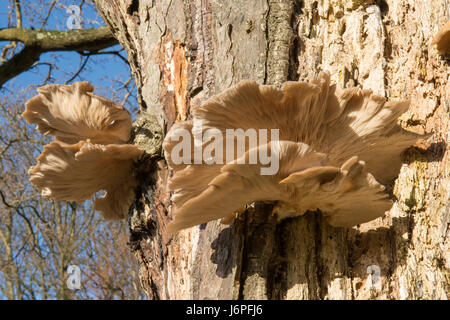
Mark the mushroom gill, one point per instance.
(441, 39)
(335, 150)
(73, 113)
(89, 152)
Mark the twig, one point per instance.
(79, 70)
(13, 44)
(18, 13)
(49, 72)
(5, 50)
(127, 96)
(52, 5)
(8, 145)
(117, 53)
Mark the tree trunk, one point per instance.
(183, 52)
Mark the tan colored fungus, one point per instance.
(88, 154)
(442, 39)
(336, 148)
(73, 113)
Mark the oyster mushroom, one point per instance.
(336, 149)
(89, 153)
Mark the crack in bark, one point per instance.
(267, 43)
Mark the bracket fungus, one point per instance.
(441, 39)
(90, 151)
(336, 149)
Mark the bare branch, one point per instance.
(52, 5)
(8, 145)
(21, 62)
(79, 70)
(116, 53)
(84, 39)
(50, 68)
(13, 44)
(127, 96)
(5, 50)
(39, 41)
(18, 13)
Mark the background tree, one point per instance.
(182, 52)
(40, 238)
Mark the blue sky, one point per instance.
(106, 72)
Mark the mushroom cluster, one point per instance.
(336, 149)
(89, 152)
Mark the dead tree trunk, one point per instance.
(182, 52)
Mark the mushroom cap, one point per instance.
(442, 39)
(76, 172)
(72, 113)
(348, 195)
(341, 123)
(356, 130)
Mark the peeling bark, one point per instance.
(182, 52)
(173, 68)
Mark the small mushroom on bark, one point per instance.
(89, 153)
(442, 39)
(335, 150)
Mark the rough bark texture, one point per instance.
(182, 52)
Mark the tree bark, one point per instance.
(183, 52)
